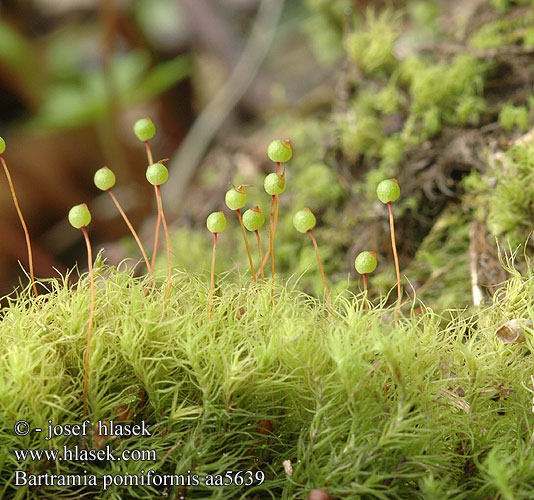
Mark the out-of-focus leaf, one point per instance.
(68, 105)
(15, 51)
(161, 78)
(17, 54)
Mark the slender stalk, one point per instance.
(22, 221)
(91, 314)
(132, 230)
(212, 281)
(246, 244)
(327, 293)
(158, 221)
(271, 238)
(395, 257)
(268, 253)
(149, 153)
(365, 290)
(156, 237)
(168, 241)
(260, 258)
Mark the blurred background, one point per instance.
(365, 90)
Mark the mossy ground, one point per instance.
(431, 407)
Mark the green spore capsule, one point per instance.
(79, 216)
(253, 219)
(274, 184)
(2, 145)
(280, 151)
(104, 178)
(144, 129)
(388, 191)
(235, 198)
(216, 222)
(365, 262)
(157, 174)
(304, 220)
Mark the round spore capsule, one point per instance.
(304, 220)
(2, 145)
(253, 219)
(79, 216)
(144, 129)
(216, 222)
(157, 174)
(104, 178)
(274, 184)
(365, 262)
(279, 151)
(388, 191)
(235, 198)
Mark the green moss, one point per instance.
(371, 47)
(360, 134)
(506, 195)
(511, 117)
(320, 384)
(503, 32)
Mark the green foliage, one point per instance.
(360, 406)
(504, 32)
(506, 194)
(447, 87)
(371, 47)
(74, 102)
(324, 27)
(360, 134)
(511, 117)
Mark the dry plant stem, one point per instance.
(326, 292)
(168, 241)
(132, 230)
(22, 221)
(395, 257)
(91, 314)
(212, 281)
(365, 291)
(260, 257)
(246, 244)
